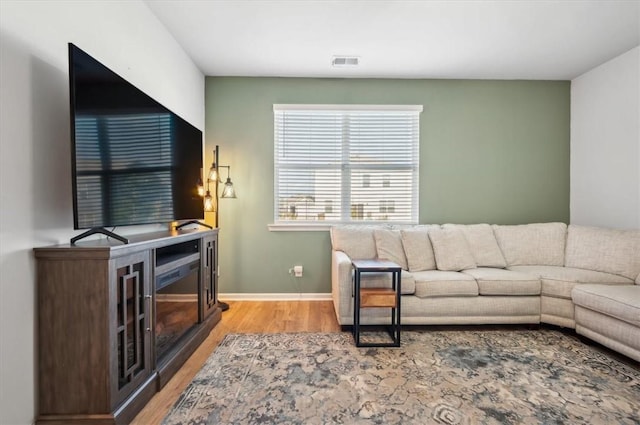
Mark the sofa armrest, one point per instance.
(341, 283)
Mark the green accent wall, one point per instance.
(490, 152)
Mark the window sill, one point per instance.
(299, 227)
(292, 226)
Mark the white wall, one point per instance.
(35, 164)
(605, 144)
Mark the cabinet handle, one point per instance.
(148, 312)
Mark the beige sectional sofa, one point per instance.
(579, 277)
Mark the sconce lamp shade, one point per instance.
(209, 204)
(229, 191)
(200, 187)
(213, 173)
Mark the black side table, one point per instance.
(377, 297)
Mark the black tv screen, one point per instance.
(133, 160)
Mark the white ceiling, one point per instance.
(545, 39)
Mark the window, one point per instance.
(346, 163)
(387, 206)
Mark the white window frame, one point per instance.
(318, 225)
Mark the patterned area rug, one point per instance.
(436, 377)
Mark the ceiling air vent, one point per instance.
(345, 61)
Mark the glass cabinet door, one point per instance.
(133, 322)
(209, 261)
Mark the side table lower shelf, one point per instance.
(377, 298)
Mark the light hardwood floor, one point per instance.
(242, 317)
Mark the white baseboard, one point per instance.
(275, 297)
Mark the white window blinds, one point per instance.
(346, 163)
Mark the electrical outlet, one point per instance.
(296, 271)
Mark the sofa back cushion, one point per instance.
(389, 246)
(451, 249)
(355, 241)
(532, 244)
(418, 249)
(483, 244)
(604, 250)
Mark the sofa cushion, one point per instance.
(355, 241)
(389, 246)
(621, 302)
(559, 281)
(451, 249)
(605, 250)
(407, 283)
(418, 249)
(438, 283)
(383, 280)
(483, 244)
(532, 244)
(492, 281)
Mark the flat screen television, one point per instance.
(134, 161)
